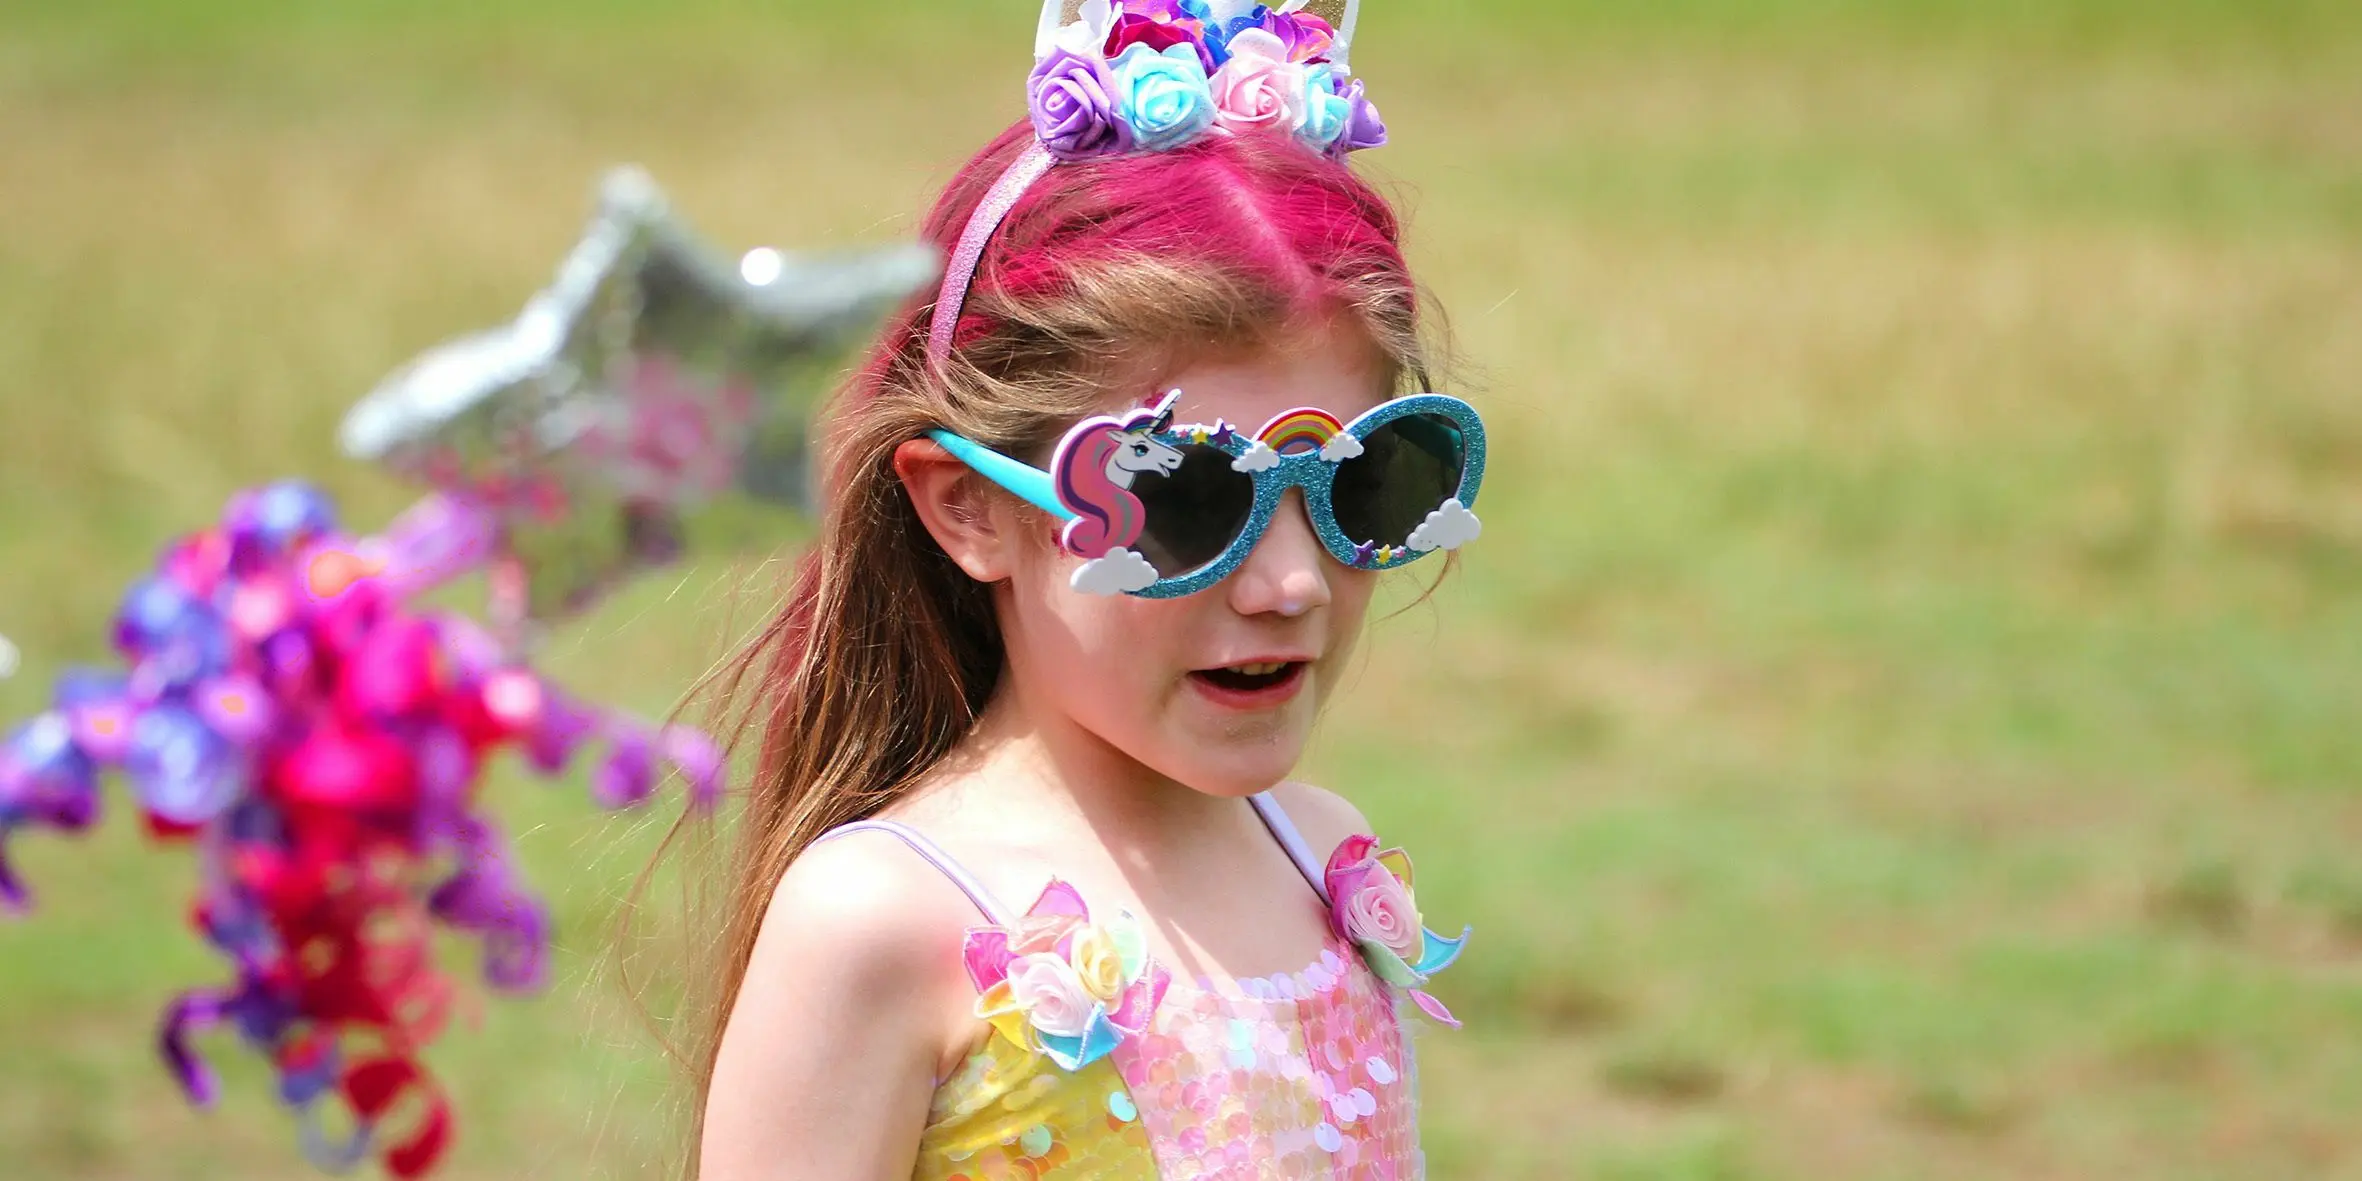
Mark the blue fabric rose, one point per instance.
(1327, 114)
(1164, 96)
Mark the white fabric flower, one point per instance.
(1051, 996)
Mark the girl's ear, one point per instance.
(958, 508)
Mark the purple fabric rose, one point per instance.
(1365, 129)
(1072, 100)
(1308, 37)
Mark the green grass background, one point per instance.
(1905, 719)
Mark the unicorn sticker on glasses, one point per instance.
(1095, 466)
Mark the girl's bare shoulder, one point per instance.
(873, 905)
(849, 1007)
(1324, 817)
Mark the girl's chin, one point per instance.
(1233, 765)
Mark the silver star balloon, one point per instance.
(650, 380)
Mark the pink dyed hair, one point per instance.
(883, 652)
(1291, 235)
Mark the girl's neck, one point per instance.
(1046, 767)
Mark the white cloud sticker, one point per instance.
(1258, 458)
(1341, 448)
(1449, 527)
(1120, 572)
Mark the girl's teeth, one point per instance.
(1256, 670)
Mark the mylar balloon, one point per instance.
(652, 379)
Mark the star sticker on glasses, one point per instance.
(650, 378)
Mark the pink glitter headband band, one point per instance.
(960, 271)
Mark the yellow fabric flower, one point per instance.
(1100, 963)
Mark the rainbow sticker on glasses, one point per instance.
(1303, 429)
(1094, 469)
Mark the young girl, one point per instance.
(1023, 890)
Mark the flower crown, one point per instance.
(1153, 75)
(1116, 77)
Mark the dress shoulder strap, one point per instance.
(1284, 831)
(943, 862)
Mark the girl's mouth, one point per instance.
(1251, 686)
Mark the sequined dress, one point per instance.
(1306, 1074)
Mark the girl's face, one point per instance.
(1217, 690)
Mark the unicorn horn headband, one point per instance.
(1124, 77)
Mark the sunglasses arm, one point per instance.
(1029, 483)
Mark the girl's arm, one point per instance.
(851, 1005)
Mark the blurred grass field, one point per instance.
(1905, 720)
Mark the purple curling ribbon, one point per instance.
(286, 710)
(189, 1014)
(45, 779)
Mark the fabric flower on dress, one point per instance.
(1061, 985)
(1371, 906)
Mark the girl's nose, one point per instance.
(1288, 572)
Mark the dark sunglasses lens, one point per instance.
(1195, 513)
(1406, 470)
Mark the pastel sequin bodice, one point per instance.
(1306, 1074)
(1310, 1076)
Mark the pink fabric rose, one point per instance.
(1259, 87)
(1052, 997)
(1382, 912)
(1370, 905)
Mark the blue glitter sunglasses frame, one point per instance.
(1309, 469)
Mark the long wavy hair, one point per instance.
(883, 652)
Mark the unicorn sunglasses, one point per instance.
(1161, 511)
